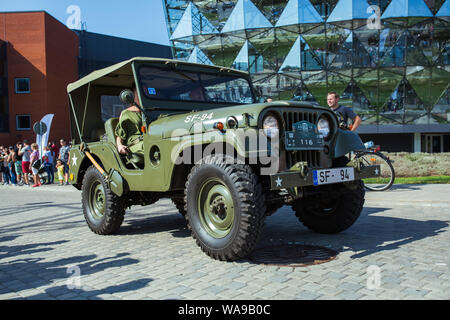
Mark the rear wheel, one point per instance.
(103, 210)
(334, 214)
(225, 208)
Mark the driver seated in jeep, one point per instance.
(128, 131)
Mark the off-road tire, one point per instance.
(180, 205)
(112, 207)
(335, 216)
(248, 209)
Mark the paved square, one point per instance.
(398, 249)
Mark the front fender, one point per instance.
(79, 162)
(346, 141)
(76, 160)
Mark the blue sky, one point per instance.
(134, 19)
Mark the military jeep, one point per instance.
(226, 159)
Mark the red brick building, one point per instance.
(38, 58)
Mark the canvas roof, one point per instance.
(111, 75)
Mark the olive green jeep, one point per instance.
(225, 159)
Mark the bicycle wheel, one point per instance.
(387, 173)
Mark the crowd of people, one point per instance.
(22, 165)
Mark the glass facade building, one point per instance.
(387, 59)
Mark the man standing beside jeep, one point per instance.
(333, 103)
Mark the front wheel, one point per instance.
(386, 174)
(335, 212)
(103, 210)
(225, 208)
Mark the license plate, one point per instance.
(295, 141)
(335, 175)
(304, 136)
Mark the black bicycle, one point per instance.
(373, 156)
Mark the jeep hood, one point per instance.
(176, 125)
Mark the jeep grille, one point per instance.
(312, 157)
(291, 117)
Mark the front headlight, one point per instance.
(323, 126)
(270, 126)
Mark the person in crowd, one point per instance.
(25, 152)
(64, 156)
(60, 171)
(18, 164)
(4, 166)
(11, 165)
(34, 158)
(47, 159)
(347, 113)
(55, 149)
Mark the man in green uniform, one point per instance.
(128, 130)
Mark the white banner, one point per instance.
(42, 140)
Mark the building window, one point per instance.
(22, 85)
(23, 122)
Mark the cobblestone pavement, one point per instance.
(398, 249)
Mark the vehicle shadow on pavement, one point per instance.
(373, 234)
(38, 272)
(370, 234)
(373, 210)
(174, 223)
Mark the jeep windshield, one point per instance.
(194, 86)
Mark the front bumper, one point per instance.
(291, 179)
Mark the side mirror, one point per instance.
(127, 96)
